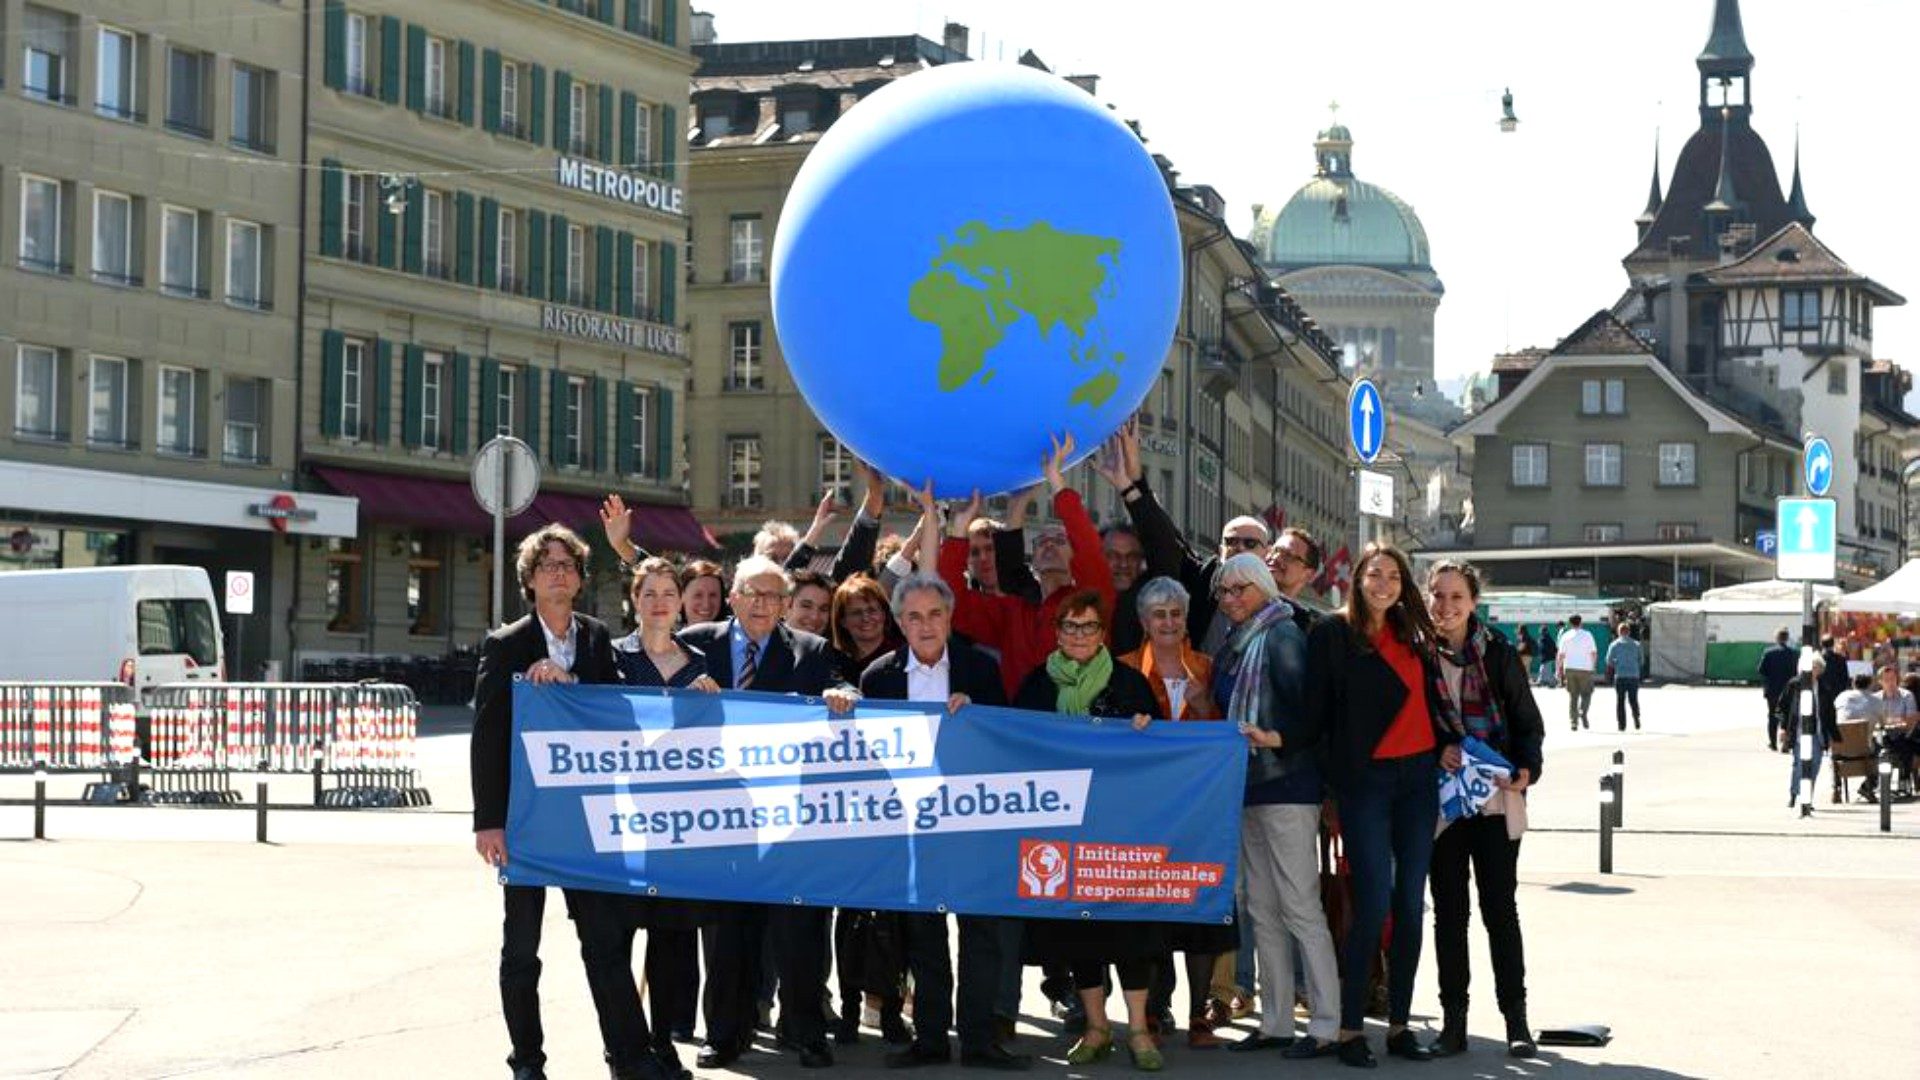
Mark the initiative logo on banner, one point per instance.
(1043, 869)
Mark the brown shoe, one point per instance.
(1218, 1014)
(1200, 1035)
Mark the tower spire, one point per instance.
(1797, 201)
(1725, 60)
(1653, 193)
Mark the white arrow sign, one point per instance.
(1807, 520)
(1366, 424)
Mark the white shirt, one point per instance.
(929, 682)
(1578, 650)
(559, 649)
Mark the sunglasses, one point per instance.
(1241, 543)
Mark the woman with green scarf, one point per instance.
(1082, 678)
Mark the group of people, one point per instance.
(1348, 717)
(1566, 654)
(1806, 706)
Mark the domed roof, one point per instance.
(1339, 220)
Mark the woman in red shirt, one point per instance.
(1370, 678)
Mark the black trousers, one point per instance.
(732, 947)
(605, 924)
(930, 962)
(673, 980)
(862, 965)
(1773, 720)
(983, 964)
(526, 907)
(1134, 974)
(802, 939)
(1478, 845)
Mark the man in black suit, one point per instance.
(553, 645)
(754, 650)
(1777, 667)
(933, 667)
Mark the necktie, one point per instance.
(748, 667)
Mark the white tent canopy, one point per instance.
(1898, 594)
(1770, 589)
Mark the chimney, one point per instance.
(769, 113)
(1085, 82)
(702, 28)
(956, 38)
(1678, 332)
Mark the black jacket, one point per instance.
(507, 652)
(1354, 694)
(1792, 715)
(969, 671)
(795, 662)
(1169, 556)
(1834, 681)
(855, 554)
(1508, 682)
(1777, 667)
(1127, 694)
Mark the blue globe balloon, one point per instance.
(975, 258)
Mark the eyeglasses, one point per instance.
(1282, 555)
(1242, 543)
(555, 566)
(754, 596)
(1079, 628)
(861, 614)
(1234, 590)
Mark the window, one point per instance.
(1528, 535)
(344, 585)
(246, 408)
(359, 42)
(748, 251)
(107, 402)
(1530, 465)
(506, 251)
(178, 627)
(642, 137)
(1599, 396)
(357, 216)
(577, 265)
(642, 290)
(253, 97)
(575, 417)
(836, 470)
(436, 78)
(117, 78)
(180, 270)
(743, 368)
(640, 445)
(1602, 534)
(177, 394)
(1166, 398)
(1603, 465)
(433, 234)
(42, 225)
(433, 368)
(510, 99)
(189, 83)
(577, 95)
(114, 261)
(743, 472)
(353, 368)
(246, 266)
(716, 122)
(36, 409)
(1837, 375)
(49, 37)
(425, 588)
(1800, 309)
(795, 119)
(1675, 530)
(1677, 465)
(505, 400)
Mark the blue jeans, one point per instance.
(1808, 768)
(1626, 692)
(1387, 815)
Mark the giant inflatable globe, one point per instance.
(974, 258)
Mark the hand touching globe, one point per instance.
(975, 259)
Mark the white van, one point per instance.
(144, 626)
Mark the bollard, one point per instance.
(260, 813)
(1619, 789)
(1885, 766)
(39, 800)
(1607, 803)
(319, 777)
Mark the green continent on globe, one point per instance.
(985, 280)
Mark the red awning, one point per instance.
(426, 503)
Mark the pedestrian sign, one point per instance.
(1816, 465)
(1807, 540)
(1366, 420)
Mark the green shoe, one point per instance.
(1147, 1060)
(1086, 1051)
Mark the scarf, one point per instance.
(1079, 683)
(1246, 652)
(1477, 713)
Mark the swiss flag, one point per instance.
(1336, 573)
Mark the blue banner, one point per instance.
(898, 806)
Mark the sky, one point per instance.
(1527, 229)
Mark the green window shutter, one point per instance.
(562, 109)
(623, 429)
(636, 15)
(537, 105)
(603, 268)
(463, 238)
(333, 362)
(605, 146)
(489, 398)
(671, 136)
(557, 421)
(389, 59)
(490, 244)
(530, 390)
(416, 67)
(629, 111)
(597, 459)
(412, 226)
(669, 284)
(670, 22)
(382, 391)
(558, 230)
(463, 100)
(537, 254)
(606, 12)
(386, 235)
(623, 280)
(461, 364)
(489, 91)
(663, 465)
(336, 61)
(332, 194)
(413, 365)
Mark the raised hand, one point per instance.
(957, 523)
(617, 522)
(1054, 464)
(823, 515)
(875, 493)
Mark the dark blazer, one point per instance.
(1507, 681)
(1834, 681)
(1778, 665)
(507, 652)
(969, 671)
(1353, 694)
(855, 554)
(795, 662)
(1127, 694)
(1792, 716)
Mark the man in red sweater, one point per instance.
(1066, 558)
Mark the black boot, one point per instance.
(1519, 1036)
(1453, 1035)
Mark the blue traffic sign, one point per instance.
(1366, 419)
(1816, 466)
(1766, 541)
(1808, 541)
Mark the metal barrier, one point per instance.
(66, 725)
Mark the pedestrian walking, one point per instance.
(1549, 653)
(1577, 656)
(1624, 662)
(1776, 670)
(1809, 727)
